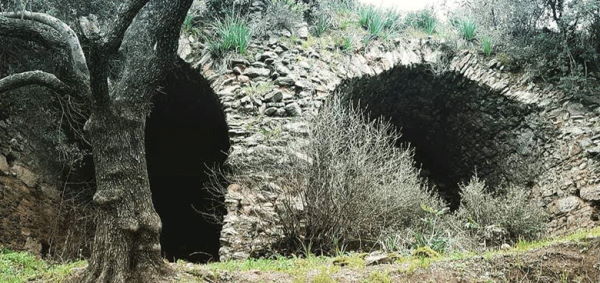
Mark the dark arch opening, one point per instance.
(456, 127)
(186, 134)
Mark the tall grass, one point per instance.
(378, 22)
(231, 34)
(424, 20)
(487, 46)
(467, 29)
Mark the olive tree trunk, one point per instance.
(136, 49)
(126, 244)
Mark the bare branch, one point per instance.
(125, 15)
(40, 78)
(80, 69)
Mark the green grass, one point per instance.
(423, 20)
(378, 22)
(24, 267)
(487, 46)
(232, 34)
(467, 29)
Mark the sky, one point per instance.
(409, 5)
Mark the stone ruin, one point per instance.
(461, 113)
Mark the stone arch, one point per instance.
(186, 137)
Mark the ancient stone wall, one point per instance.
(478, 117)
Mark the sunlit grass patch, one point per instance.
(24, 267)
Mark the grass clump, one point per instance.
(378, 22)
(467, 28)
(487, 46)
(424, 20)
(24, 267)
(232, 34)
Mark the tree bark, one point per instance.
(126, 244)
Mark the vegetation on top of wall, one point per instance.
(424, 20)
(230, 34)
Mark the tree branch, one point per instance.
(33, 78)
(110, 41)
(80, 74)
(28, 30)
(125, 15)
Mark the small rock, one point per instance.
(270, 111)
(590, 193)
(293, 109)
(239, 62)
(302, 31)
(254, 72)
(26, 176)
(3, 164)
(567, 204)
(243, 79)
(275, 96)
(237, 70)
(285, 81)
(266, 55)
(378, 258)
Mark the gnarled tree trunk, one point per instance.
(126, 244)
(142, 40)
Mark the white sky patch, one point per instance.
(413, 5)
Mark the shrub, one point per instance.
(499, 217)
(230, 34)
(281, 14)
(424, 20)
(467, 28)
(353, 183)
(323, 22)
(487, 46)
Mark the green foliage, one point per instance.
(232, 34)
(323, 22)
(487, 46)
(424, 20)
(378, 22)
(345, 44)
(467, 29)
(24, 267)
(379, 277)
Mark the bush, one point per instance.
(281, 14)
(230, 34)
(424, 20)
(501, 217)
(466, 29)
(323, 22)
(353, 183)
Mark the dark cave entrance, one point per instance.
(186, 134)
(456, 127)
